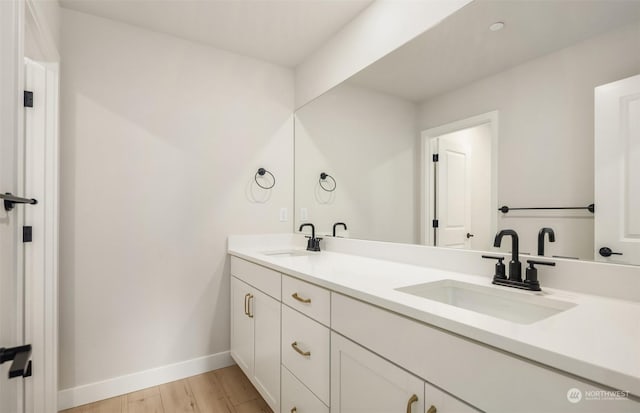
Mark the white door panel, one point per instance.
(617, 170)
(453, 194)
(11, 180)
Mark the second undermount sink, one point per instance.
(515, 306)
(288, 253)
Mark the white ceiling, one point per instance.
(279, 31)
(461, 49)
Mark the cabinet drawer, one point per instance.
(302, 335)
(264, 279)
(307, 298)
(297, 398)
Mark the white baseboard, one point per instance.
(116, 386)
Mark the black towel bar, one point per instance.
(504, 209)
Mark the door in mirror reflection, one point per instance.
(458, 180)
(617, 171)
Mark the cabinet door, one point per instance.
(439, 401)
(266, 370)
(364, 382)
(241, 326)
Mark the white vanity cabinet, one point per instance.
(312, 348)
(255, 328)
(363, 382)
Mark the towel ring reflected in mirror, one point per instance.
(323, 181)
(262, 172)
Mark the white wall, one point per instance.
(546, 132)
(48, 12)
(160, 142)
(367, 141)
(378, 30)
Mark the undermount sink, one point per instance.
(516, 306)
(287, 253)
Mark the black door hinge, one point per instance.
(435, 157)
(21, 365)
(434, 223)
(27, 233)
(28, 99)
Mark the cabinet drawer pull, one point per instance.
(249, 313)
(294, 410)
(412, 400)
(302, 300)
(432, 409)
(246, 305)
(302, 353)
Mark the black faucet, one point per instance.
(531, 282)
(336, 224)
(515, 268)
(552, 238)
(313, 244)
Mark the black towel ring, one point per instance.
(262, 172)
(323, 178)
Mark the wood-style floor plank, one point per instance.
(221, 391)
(177, 397)
(236, 385)
(209, 393)
(253, 406)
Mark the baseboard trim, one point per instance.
(117, 386)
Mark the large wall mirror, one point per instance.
(493, 107)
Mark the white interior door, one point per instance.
(11, 281)
(617, 171)
(453, 209)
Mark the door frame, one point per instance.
(428, 149)
(41, 311)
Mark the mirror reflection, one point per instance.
(493, 107)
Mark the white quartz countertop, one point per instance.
(598, 339)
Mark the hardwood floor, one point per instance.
(221, 391)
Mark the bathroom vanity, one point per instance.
(339, 331)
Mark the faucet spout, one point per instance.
(552, 238)
(313, 229)
(338, 224)
(515, 268)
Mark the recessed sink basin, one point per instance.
(287, 253)
(516, 306)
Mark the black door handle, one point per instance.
(21, 365)
(469, 235)
(606, 252)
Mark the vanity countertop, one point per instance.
(597, 339)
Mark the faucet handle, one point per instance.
(531, 274)
(536, 262)
(501, 272)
